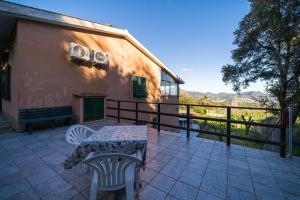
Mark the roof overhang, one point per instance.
(25, 12)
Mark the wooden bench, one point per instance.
(29, 116)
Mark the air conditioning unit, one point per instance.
(100, 58)
(79, 52)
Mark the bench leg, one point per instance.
(52, 124)
(29, 128)
(70, 121)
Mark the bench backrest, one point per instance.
(34, 113)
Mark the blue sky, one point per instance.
(193, 38)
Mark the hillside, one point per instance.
(249, 97)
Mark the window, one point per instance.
(173, 89)
(139, 86)
(164, 88)
(5, 83)
(168, 86)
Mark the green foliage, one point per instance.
(257, 115)
(237, 114)
(200, 110)
(268, 49)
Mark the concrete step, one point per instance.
(3, 120)
(4, 125)
(6, 130)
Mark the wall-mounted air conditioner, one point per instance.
(79, 52)
(100, 58)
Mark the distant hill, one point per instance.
(250, 96)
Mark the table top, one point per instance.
(120, 133)
(112, 139)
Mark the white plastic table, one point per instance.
(130, 140)
(119, 134)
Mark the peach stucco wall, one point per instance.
(44, 76)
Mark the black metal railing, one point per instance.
(281, 126)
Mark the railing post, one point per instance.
(228, 125)
(187, 121)
(136, 113)
(290, 140)
(158, 117)
(118, 111)
(283, 133)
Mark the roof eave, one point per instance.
(25, 12)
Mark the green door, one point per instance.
(93, 108)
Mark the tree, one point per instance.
(268, 49)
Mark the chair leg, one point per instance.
(130, 190)
(137, 181)
(94, 188)
(93, 192)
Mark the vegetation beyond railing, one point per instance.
(281, 126)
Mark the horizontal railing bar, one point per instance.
(255, 140)
(127, 118)
(255, 124)
(131, 110)
(126, 109)
(236, 121)
(203, 118)
(170, 114)
(112, 116)
(199, 105)
(112, 108)
(122, 109)
(127, 101)
(173, 126)
(145, 121)
(167, 125)
(205, 132)
(235, 136)
(207, 118)
(208, 132)
(148, 112)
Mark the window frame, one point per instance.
(168, 82)
(5, 84)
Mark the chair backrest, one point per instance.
(111, 169)
(77, 133)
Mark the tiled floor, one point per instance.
(177, 168)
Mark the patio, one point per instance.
(177, 168)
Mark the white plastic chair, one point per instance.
(113, 172)
(77, 133)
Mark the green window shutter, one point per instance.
(139, 86)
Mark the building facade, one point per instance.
(38, 71)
